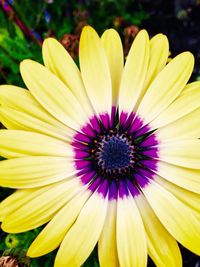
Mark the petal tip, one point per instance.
(143, 34)
(31, 252)
(111, 34)
(160, 37)
(183, 60)
(188, 56)
(5, 227)
(23, 65)
(87, 29)
(26, 62)
(50, 41)
(110, 31)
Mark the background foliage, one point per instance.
(24, 25)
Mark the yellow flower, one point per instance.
(107, 154)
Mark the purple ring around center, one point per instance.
(128, 182)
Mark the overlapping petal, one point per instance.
(191, 199)
(14, 119)
(15, 143)
(183, 177)
(107, 246)
(41, 208)
(54, 232)
(19, 110)
(114, 52)
(52, 94)
(166, 86)
(187, 127)
(95, 71)
(130, 234)
(58, 60)
(133, 76)
(176, 217)
(183, 105)
(183, 153)
(159, 51)
(162, 247)
(74, 251)
(19, 198)
(33, 171)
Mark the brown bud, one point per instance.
(129, 35)
(70, 42)
(8, 261)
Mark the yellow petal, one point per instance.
(182, 106)
(166, 86)
(114, 51)
(107, 246)
(162, 247)
(15, 143)
(54, 232)
(52, 94)
(187, 127)
(27, 172)
(83, 235)
(183, 153)
(17, 120)
(189, 198)
(184, 177)
(19, 198)
(177, 218)
(95, 70)
(22, 100)
(133, 77)
(41, 209)
(58, 60)
(131, 239)
(190, 87)
(159, 50)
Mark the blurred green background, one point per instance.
(25, 24)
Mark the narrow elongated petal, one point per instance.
(57, 59)
(19, 198)
(184, 177)
(162, 247)
(189, 198)
(53, 234)
(182, 106)
(13, 119)
(40, 209)
(114, 51)
(187, 127)
(133, 77)
(107, 246)
(159, 51)
(83, 235)
(27, 172)
(166, 87)
(21, 100)
(95, 70)
(190, 87)
(177, 218)
(15, 143)
(183, 153)
(52, 94)
(131, 240)
(19, 120)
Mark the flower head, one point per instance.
(108, 153)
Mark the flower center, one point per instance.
(116, 150)
(114, 154)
